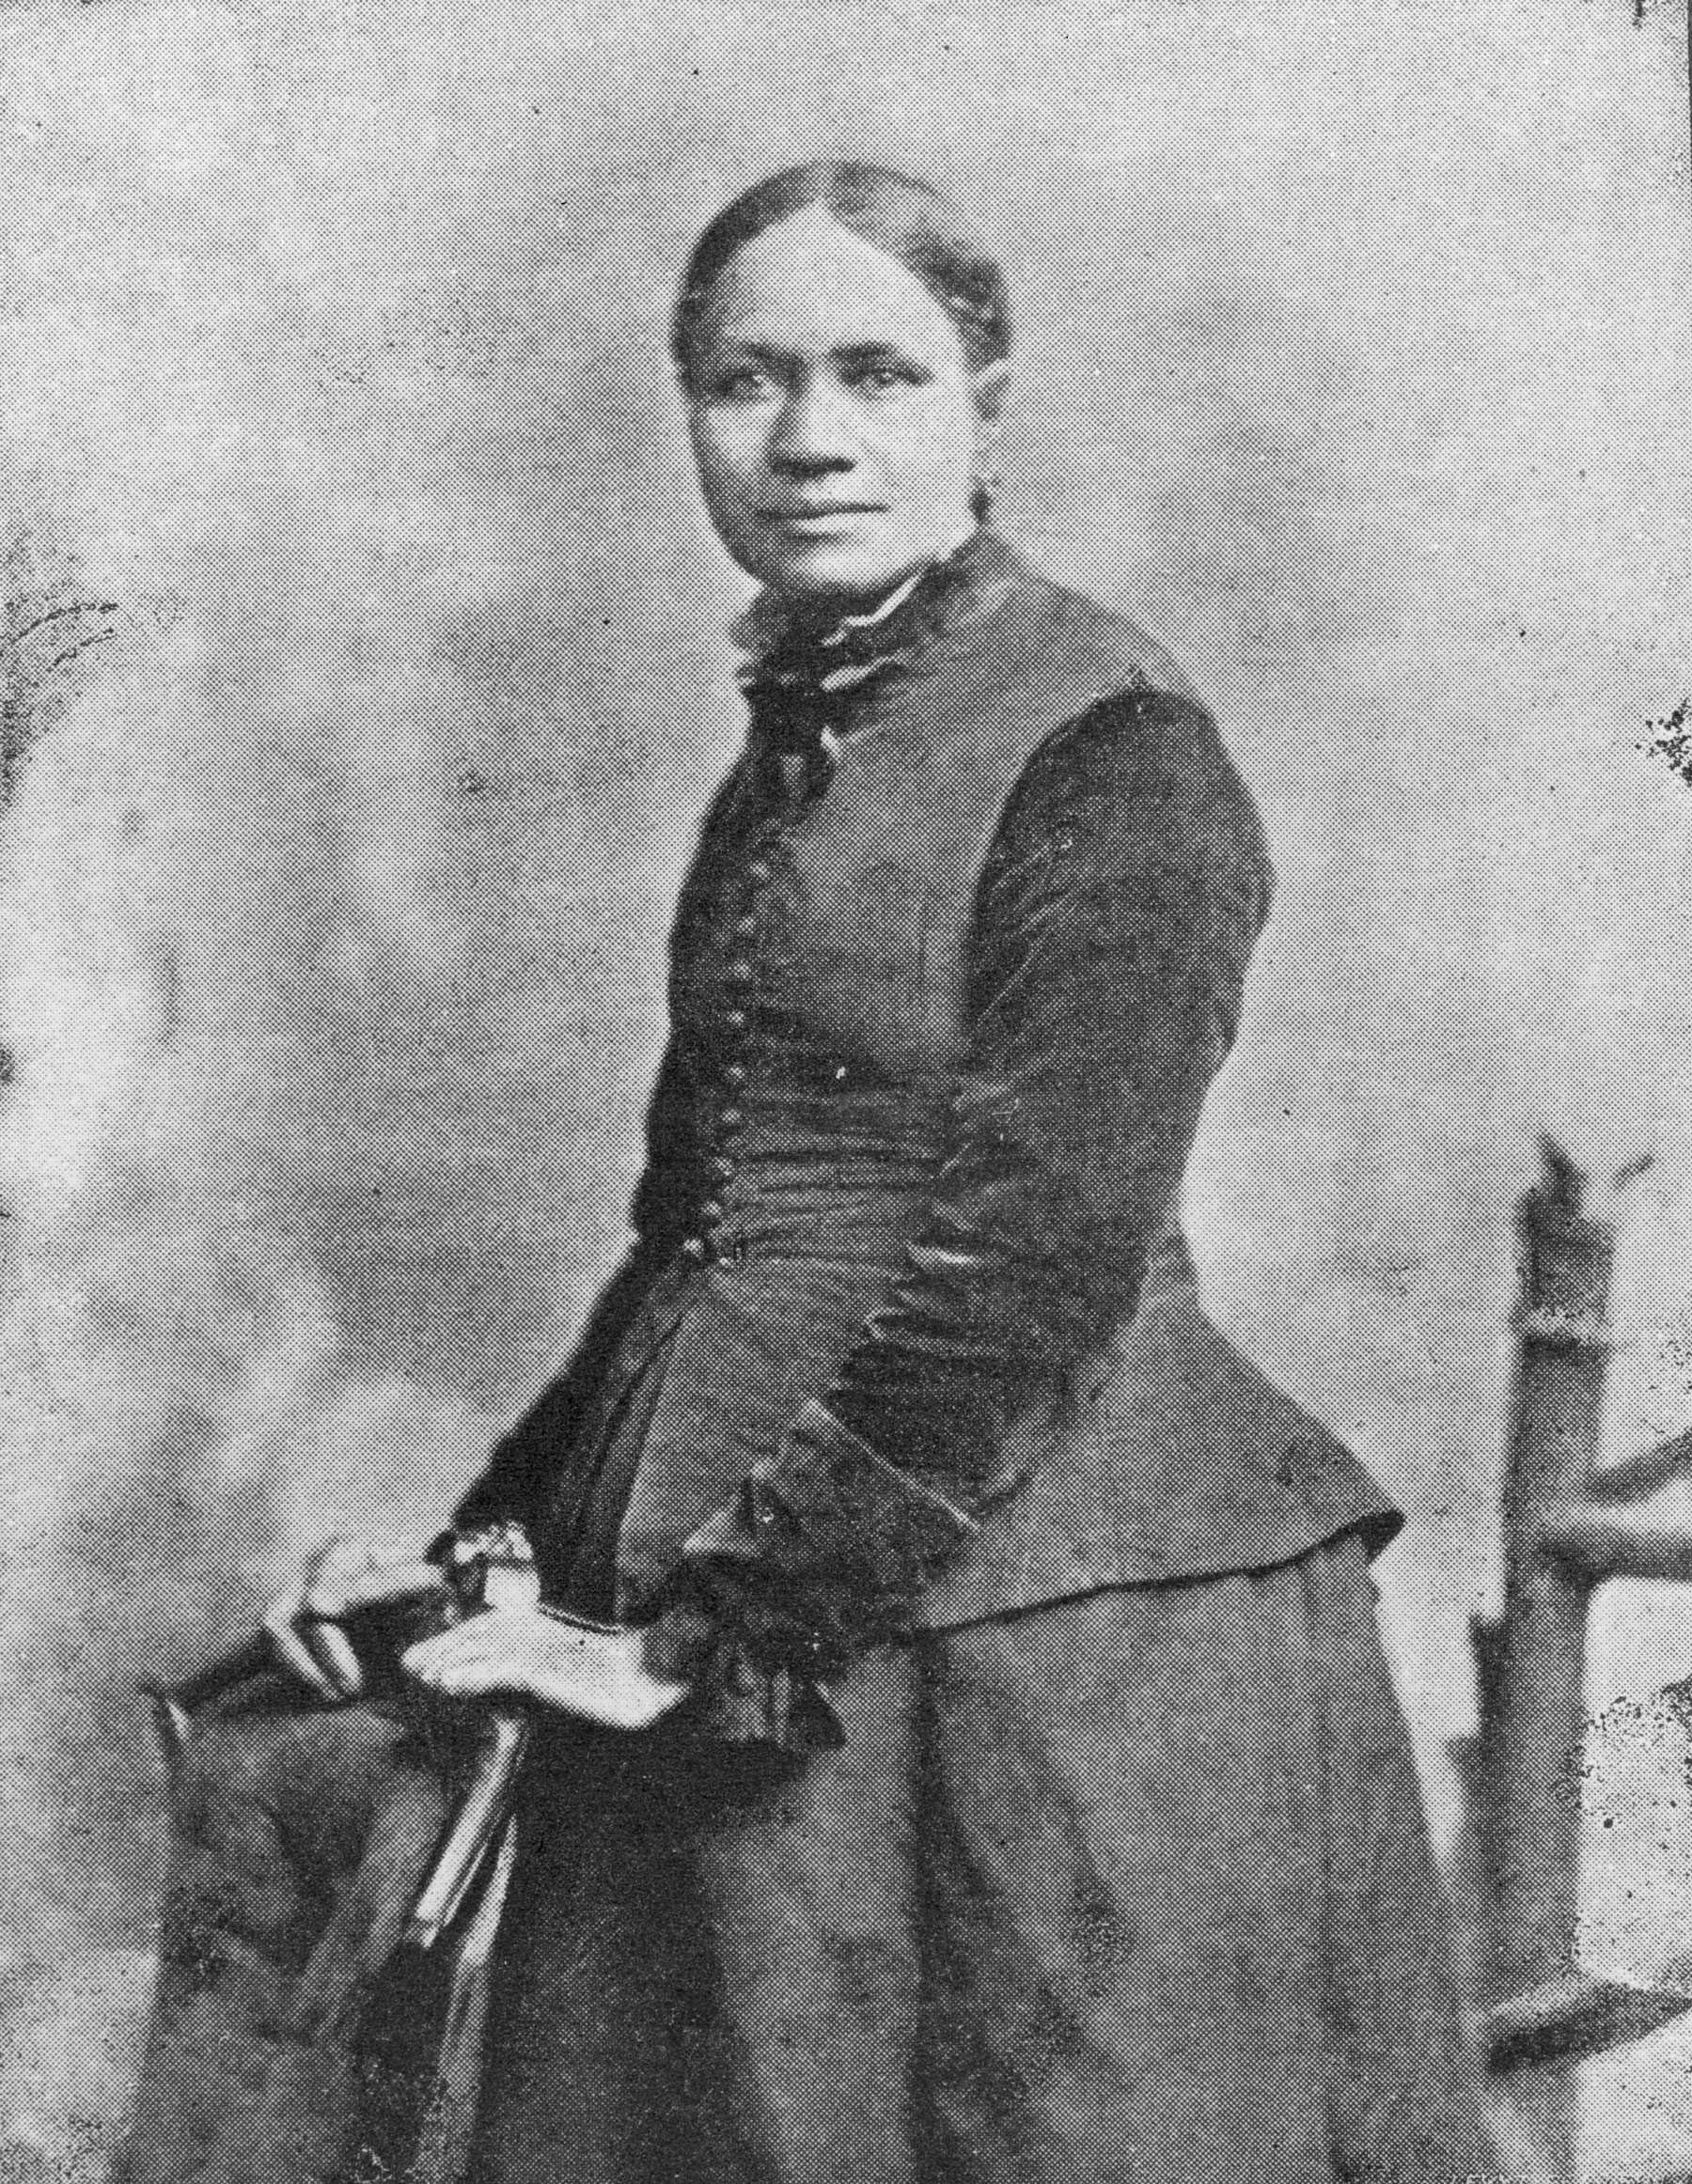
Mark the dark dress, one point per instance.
(1044, 1811)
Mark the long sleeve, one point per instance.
(1123, 895)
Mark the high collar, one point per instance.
(800, 651)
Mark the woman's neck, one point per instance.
(835, 620)
(844, 625)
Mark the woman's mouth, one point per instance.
(819, 523)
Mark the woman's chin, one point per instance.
(828, 571)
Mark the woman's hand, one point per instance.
(305, 1627)
(598, 1674)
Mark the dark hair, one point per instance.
(907, 218)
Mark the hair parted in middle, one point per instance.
(899, 213)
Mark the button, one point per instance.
(722, 1169)
(745, 928)
(697, 1249)
(738, 972)
(758, 872)
(734, 1077)
(736, 1021)
(729, 1119)
(711, 1214)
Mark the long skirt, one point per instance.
(1136, 1888)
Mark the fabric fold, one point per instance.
(825, 1549)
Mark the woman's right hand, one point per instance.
(306, 1625)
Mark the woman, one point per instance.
(964, 1746)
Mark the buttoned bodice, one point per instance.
(807, 1049)
(821, 950)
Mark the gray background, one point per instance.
(1353, 361)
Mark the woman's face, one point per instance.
(836, 425)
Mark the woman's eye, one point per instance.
(883, 377)
(741, 382)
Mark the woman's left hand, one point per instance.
(600, 1676)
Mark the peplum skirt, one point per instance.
(1131, 1889)
(1135, 1890)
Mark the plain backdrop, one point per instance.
(1353, 360)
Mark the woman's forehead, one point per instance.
(810, 286)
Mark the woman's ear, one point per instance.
(989, 389)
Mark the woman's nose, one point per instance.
(811, 432)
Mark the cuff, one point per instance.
(824, 1550)
(733, 1700)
